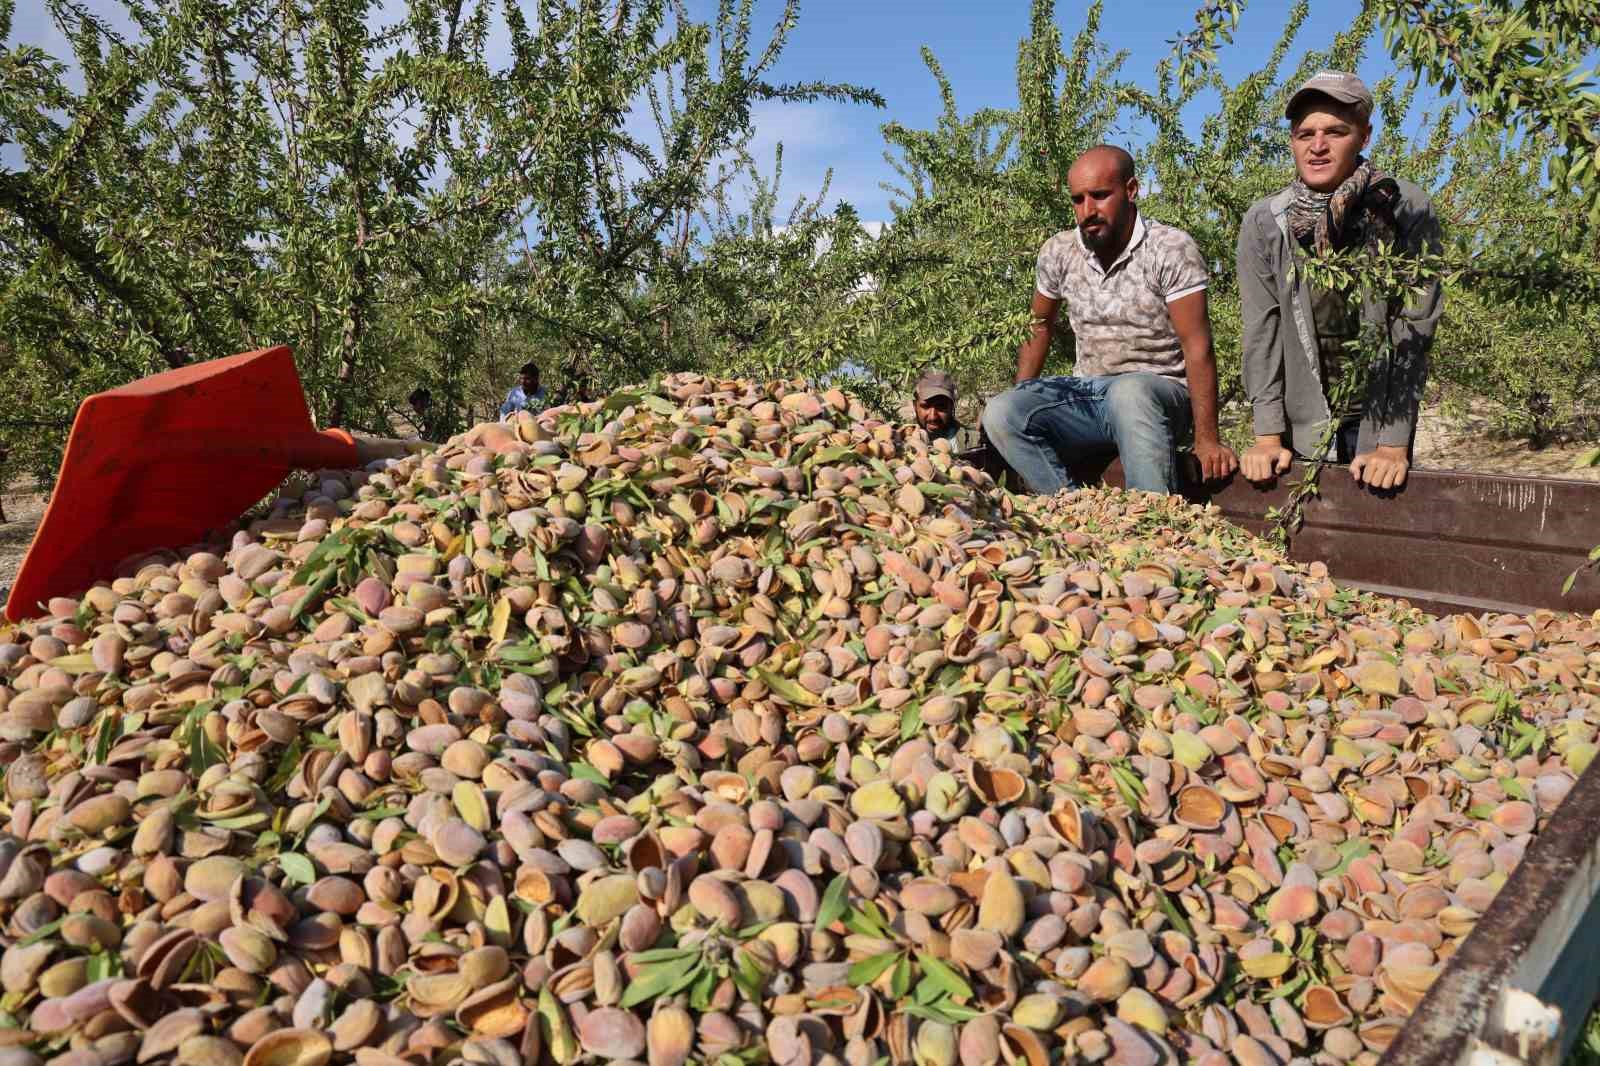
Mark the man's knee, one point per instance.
(1135, 393)
(1006, 415)
(1141, 399)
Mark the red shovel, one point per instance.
(159, 462)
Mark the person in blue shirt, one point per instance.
(527, 396)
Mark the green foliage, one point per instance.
(370, 184)
(375, 191)
(978, 194)
(1522, 65)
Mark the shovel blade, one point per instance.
(160, 462)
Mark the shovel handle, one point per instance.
(337, 449)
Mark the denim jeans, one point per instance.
(1041, 425)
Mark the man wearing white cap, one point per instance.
(1297, 338)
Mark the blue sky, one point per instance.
(877, 43)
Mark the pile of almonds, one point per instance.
(722, 723)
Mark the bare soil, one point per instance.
(24, 509)
(1469, 442)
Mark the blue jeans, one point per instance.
(1040, 425)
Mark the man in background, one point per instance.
(421, 401)
(934, 403)
(528, 395)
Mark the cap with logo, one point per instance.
(1337, 84)
(935, 383)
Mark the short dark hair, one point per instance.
(419, 396)
(530, 368)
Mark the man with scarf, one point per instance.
(1297, 337)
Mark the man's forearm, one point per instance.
(1201, 371)
(1030, 357)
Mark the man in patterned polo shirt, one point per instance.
(1136, 298)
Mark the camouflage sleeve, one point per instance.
(1183, 268)
(1047, 270)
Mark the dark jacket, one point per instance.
(1282, 374)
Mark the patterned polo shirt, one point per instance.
(1119, 316)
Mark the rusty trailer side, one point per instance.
(1538, 941)
(1445, 541)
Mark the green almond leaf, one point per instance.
(40, 933)
(944, 976)
(1350, 851)
(240, 821)
(654, 955)
(868, 970)
(106, 736)
(705, 986)
(833, 902)
(786, 690)
(287, 765)
(900, 981)
(655, 980)
(582, 771)
(957, 1013)
(626, 398)
(910, 722)
(748, 977)
(297, 867)
(869, 921)
(1174, 913)
(332, 548)
(315, 589)
(1289, 988)
(660, 405)
(945, 1012)
(203, 754)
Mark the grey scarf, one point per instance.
(1360, 210)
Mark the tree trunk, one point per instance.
(355, 312)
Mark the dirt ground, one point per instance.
(23, 509)
(1442, 444)
(1468, 442)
